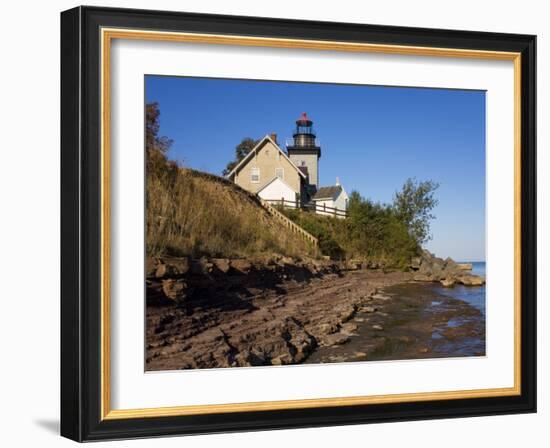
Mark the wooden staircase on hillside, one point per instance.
(289, 223)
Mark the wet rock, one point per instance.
(381, 297)
(471, 280)
(334, 339)
(245, 314)
(349, 328)
(448, 282)
(345, 312)
(448, 272)
(368, 309)
(326, 328)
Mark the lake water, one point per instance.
(474, 295)
(422, 320)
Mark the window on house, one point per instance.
(280, 173)
(255, 175)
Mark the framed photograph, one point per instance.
(275, 223)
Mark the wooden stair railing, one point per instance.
(289, 223)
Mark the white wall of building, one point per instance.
(340, 202)
(328, 203)
(277, 190)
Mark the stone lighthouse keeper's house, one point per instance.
(291, 175)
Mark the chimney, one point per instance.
(337, 181)
(273, 136)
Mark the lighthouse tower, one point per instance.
(303, 150)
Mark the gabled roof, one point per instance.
(274, 180)
(327, 192)
(260, 144)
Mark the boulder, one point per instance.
(172, 267)
(221, 264)
(426, 267)
(354, 265)
(334, 339)
(426, 254)
(471, 280)
(368, 309)
(450, 264)
(380, 296)
(349, 328)
(282, 360)
(415, 263)
(326, 328)
(422, 278)
(448, 282)
(201, 266)
(437, 272)
(465, 266)
(286, 260)
(241, 266)
(174, 289)
(345, 312)
(151, 265)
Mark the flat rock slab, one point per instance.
(277, 324)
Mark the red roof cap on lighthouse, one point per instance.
(303, 118)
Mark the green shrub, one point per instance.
(372, 232)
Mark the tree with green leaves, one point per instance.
(156, 146)
(152, 127)
(413, 205)
(241, 151)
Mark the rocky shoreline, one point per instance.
(429, 268)
(211, 313)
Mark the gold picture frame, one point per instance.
(107, 31)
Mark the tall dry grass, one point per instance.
(190, 213)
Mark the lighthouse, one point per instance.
(304, 150)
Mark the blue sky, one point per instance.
(372, 137)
